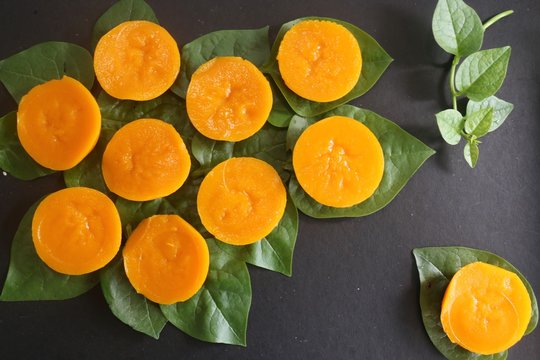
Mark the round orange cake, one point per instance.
(228, 99)
(319, 60)
(76, 230)
(58, 123)
(241, 200)
(486, 309)
(166, 259)
(338, 161)
(145, 160)
(136, 60)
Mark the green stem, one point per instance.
(496, 18)
(452, 80)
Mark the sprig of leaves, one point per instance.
(457, 28)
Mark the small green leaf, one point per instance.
(121, 11)
(29, 278)
(218, 312)
(374, 62)
(471, 152)
(126, 304)
(479, 122)
(457, 27)
(251, 44)
(501, 109)
(403, 156)
(275, 251)
(436, 266)
(482, 73)
(43, 62)
(13, 158)
(268, 144)
(450, 124)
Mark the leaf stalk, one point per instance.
(452, 80)
(496, 18)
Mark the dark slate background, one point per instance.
(354, 291)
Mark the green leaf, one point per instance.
(219, 311)
(115, 114)
(88, 172)
(250, 44)
(501, 109)
(471, 152)
(450, 124)
(13, 158)
(268, 144)
(482, 73)
(183, 203)
(282, 113)
(479, 122)
(457, 27)
(403, 156)
(296, 127)
(29, 278)
(436, 266)
(121, 11)
(126, 304)
(209, 153)
(275, 251)
(167, 107)
(133, 212)
(43, 62)
(374, 62)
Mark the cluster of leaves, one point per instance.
(219, 311)
(460, 32)
(436, 266)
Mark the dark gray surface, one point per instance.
(354, 290)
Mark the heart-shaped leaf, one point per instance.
(29, 278)
(374, 62)
(501, 109)
(457, 27)
(403, 156)
(126, 304)
(482, 73)
(43, 62)
(479, 122)
(275, 251)
(436, 266)
(450, 124)
(219, 311)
